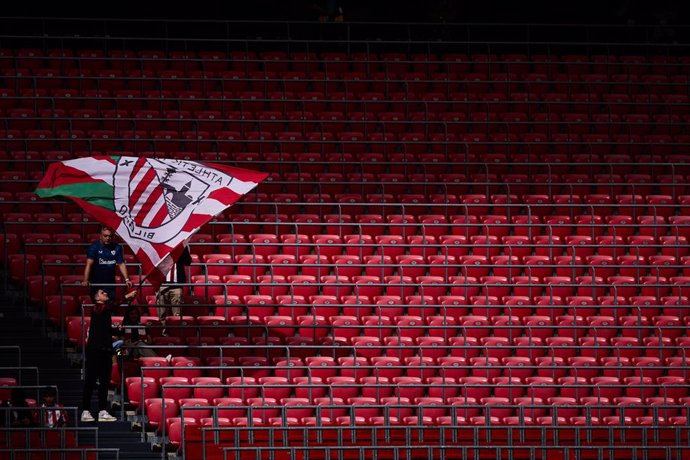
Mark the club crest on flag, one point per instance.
(156, 198)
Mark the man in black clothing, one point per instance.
(99, 355)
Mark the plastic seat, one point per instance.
(595, 346)
(141, 388)
(411, 265)
(442, 326)
(495, 286)
(531, 347)
(561, 347)
(364, 407)
(377, 326)
(498, 407)
(431, 286)
(296, 245)
(303, 285)
(550, 366)
(175, 387)
(485, 246)
(370, 224)
(325, 305)
(328, 245)
(399, 346)
(186, 366)
(314, 265)
(379, 266)
(192, 407)
(409, 326)
(583, 366)
(421, 305)
(453, 367)
(386, 367)
(563, 406)
(539, 387)
(369, 286)
(158, 410)
(159, 367)
(312, 327)
(366, 346)
(630, 406)
(337, 285)
(309, 387)
(218, 264)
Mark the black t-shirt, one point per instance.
(101, 330)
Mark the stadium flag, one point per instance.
(154, 204)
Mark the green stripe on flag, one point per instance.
(96, 193)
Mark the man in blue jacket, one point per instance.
(102, 258)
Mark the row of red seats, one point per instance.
(469, 107)
(565, 237)
(27, 167)
(353, 150)
(159, 59)
(298, 384)
(532, 115)
(422, 232)
(377, 435)
(659, 273)
(515, 189)
(381, 435)
(84, 131)
(519, 146)
(432, 235)
(179, 59)
(594, 336)
(426, 169)
(19, 79)
(638, 120)
(501, 220)
(378, 215)
(399, 407)
(224, 307)
(365, 407)
(650, 374)
(637, 266)
(566, 161)
(477, 92)
(426, 202)
(452, 307)
(261, 286)
(383, 319)
(562, 273)
(330, 123)
(472, 437)
(460, 285)
(410, 213)
(47, 77)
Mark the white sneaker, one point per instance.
(86, 416)
(104, 416)
(168, 358)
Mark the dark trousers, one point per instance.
(99, 365)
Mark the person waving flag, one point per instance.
(154, 204)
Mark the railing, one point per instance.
(261, 421)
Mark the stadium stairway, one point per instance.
(23, 327)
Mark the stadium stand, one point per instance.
(457, 255)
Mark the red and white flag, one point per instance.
(154, 204)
